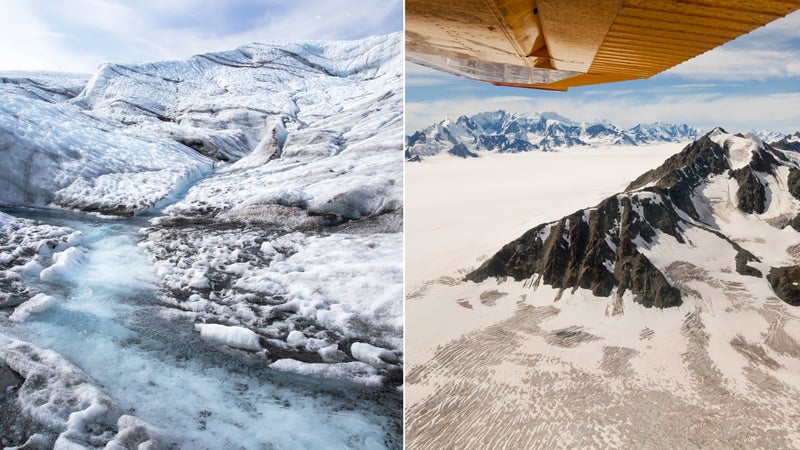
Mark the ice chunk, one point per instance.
(133, 433)
(37, 304)
(374, 356)
(232, 336)
(64, 264)
(332, 353)
(59, 396)
(355, 370)
(296, 338)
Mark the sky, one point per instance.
(80, 35)
(751, 83)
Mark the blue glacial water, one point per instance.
(108, 322)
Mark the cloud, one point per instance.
(78, 35)
(771, 52)
(729, 64)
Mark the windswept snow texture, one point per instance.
(623, 323)
(504, 132)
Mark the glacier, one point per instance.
(665, 316)
(221, 233)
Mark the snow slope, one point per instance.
(57, 153)
(567, 329)
(137, 134)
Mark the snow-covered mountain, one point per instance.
(730, 199)
(504, 132)
(790, 142)
(673, 300)
(271, 176)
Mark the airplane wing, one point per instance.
(557, 44)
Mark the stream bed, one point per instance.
(105, 318)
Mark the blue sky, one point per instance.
(750, 83)
(79, 35)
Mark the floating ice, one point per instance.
(356, 370)
(64, 264)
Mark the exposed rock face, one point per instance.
(607, 249)
(786, 283)
(461, 151)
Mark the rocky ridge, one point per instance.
(704, 203)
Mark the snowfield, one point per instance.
(525, 364)
(528, 189)
(245, 221)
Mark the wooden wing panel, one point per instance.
(557, 44)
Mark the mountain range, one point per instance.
(504, 132)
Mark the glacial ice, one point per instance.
(34, 305)
(108, 326)
(271, 176)
(232, 336)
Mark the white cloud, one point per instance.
(768, 52)
(730, 64)
(78, 35)
(420, 76)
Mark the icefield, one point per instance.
(513, 360)
(205, 253)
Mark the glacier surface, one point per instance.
(245, 222)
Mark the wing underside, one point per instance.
(557, 44)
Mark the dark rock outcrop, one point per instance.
(791, 143)
(794, 183)
(751, 197)
(785, 282)
(597, 254)
(461, 151)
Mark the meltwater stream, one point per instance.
(106, 321)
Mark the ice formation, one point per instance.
(267, 181)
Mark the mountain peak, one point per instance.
(715, 193)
